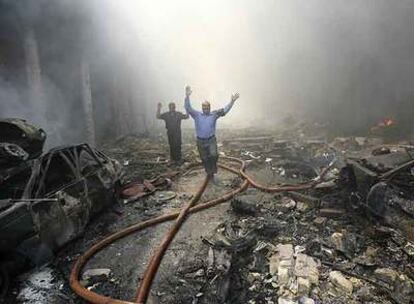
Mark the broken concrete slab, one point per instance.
(97, 272)
(340, 284)
(306, 267)
(282, 263)
(386, 275)
(304, 286)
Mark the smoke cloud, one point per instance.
(348, 64)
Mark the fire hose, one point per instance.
(155, 259)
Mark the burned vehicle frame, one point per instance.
(26, 136)
(383, 185)
(48, 201)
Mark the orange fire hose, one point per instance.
(155, 259)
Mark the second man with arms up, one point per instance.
(172, 120)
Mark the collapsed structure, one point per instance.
(293, 246)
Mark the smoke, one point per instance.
(345, 63)
(348, 64)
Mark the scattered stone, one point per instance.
(306, 300)
(97, 272)
(364, 294)
(386, 275)
(404, 289)
(307, 267)
(281, 263)
(287, 204)
(286, 301)
(320, 221)
(345, 243)
(409, 249)
(331, 213)
(304, 286)
(368, 258)
(302, 207)
(341, 284)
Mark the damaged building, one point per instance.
(109, 191)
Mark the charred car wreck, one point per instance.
(383, 184)
(47, 201)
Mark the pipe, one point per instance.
(93, 297)
(143, 290)
(155, 259)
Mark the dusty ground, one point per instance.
(351, 241)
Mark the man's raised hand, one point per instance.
(188, 91)
(159, 105)
(234, 96)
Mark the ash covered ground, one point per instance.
(324, 245)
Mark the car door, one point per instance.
(99, 179)
(62, 208)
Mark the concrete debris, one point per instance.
(305, 300)
(320, 221)
(306, 267)
(386, 275)
(264, 248)
(97, 272)
(345, 242)
(287, 204)
(340, 284)
(286, 301)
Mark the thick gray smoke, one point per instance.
(346, 63)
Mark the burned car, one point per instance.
(27, 136)
(48, 201)
(383, 183)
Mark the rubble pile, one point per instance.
(314, 247)
(348, 240)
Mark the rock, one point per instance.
(364, 294)
(337, 240)
(304, 286)
(281, 263)
(345, 243)
(342, 285)
(386, 275)
(97, 272)
(320, 221)
(302, 207)
(284, 272)
(306, 267)
(306, 300)
(404, 289)
(331, 212)
(285, 251)
(287, 204)
(409, 249)
(368, 258)
(285, 301)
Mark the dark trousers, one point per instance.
(174, 140)
(208, 154)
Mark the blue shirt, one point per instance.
(205, 124)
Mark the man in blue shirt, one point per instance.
(205, 125)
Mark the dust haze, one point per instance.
(345, 63)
